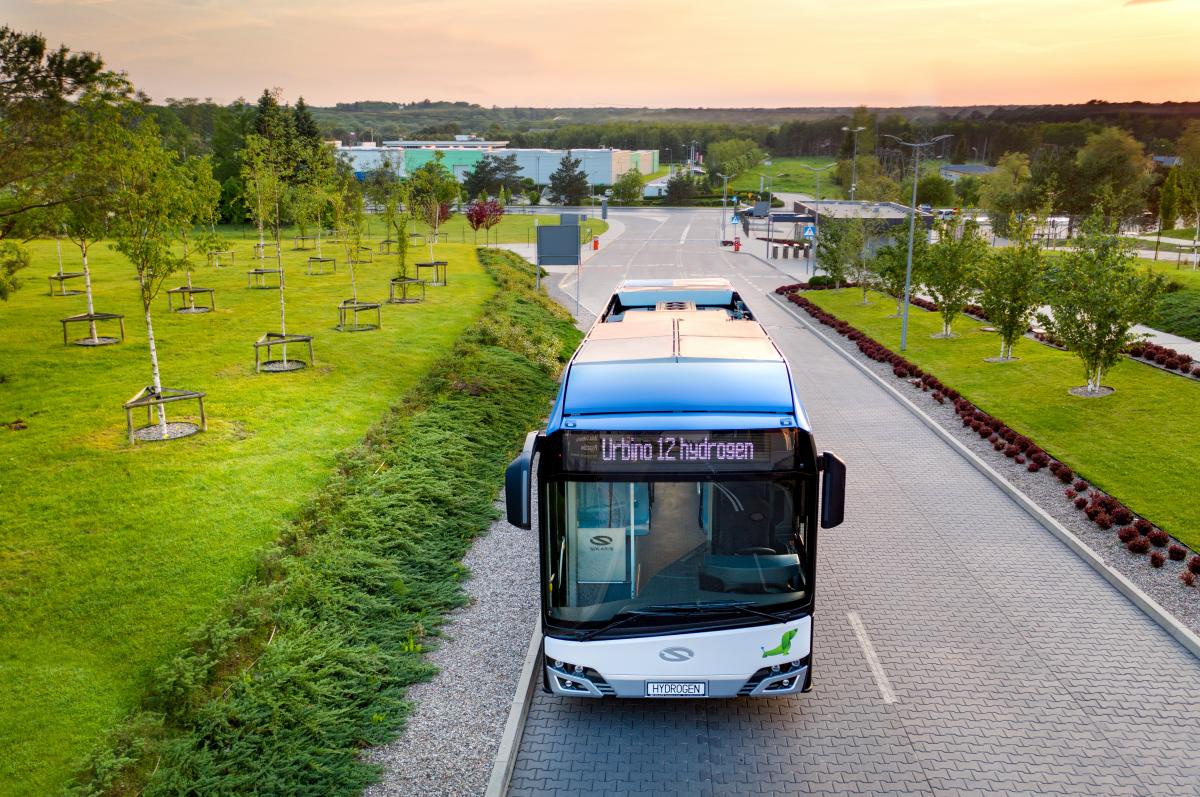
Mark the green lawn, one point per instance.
(110, 553)
(514, 228)
(1140, 443)
(1185, 233)
(793, 177)
(1186, 276)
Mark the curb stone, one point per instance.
(1183, 635)
(510, 741)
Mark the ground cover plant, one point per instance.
(108, 554)
(308, 664)
(1104, 440)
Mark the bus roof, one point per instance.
(673, 348)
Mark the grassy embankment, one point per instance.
(109, 554)
(1178, 311)
(794, 178)
(308, 664)
(1140, 443)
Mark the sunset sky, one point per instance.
(641, 52)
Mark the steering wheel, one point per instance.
(760, 551)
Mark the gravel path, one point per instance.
(452, 735)
(1161, 584)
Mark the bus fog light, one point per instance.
(579, 669)
(558, 663)
(774, 668)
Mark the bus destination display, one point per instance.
(667, 452)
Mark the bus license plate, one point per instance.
(676, 689)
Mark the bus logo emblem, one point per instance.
(676, 654)
(601, 539)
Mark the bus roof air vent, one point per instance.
(675, 307)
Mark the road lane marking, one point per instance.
(864, 642)
(683, 237)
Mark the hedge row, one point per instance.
(1138, 534)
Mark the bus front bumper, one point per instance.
(565, 680)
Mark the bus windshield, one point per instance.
(617, 546)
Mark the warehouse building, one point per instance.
(602, 166)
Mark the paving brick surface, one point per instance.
(1016, 668)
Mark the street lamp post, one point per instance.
(854, 131)
(912, 225)
(724, 196)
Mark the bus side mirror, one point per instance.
(833, 490)
(517, 485)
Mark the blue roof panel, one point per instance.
(688, 386)
(649, 298)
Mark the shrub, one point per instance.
(1194, 564)
(1020, 460)
(1105, 522)
(1122, 516)
(1093, 511)
(1143, 526)
(1033, 467)
(1070, 494)
(1138, 545)
(994, 438)
(1011, 451)
(1177, 552)
(1159, 538)
(998, 445)
(1157, 559)
(1188, 578)
(1065, 475)
(1081, 486)
(1080, 502)
(1126, 534)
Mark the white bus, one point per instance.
(677, 504)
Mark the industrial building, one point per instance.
(602, 166)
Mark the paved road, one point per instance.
(1011, 667)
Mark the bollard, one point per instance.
(595, 243)
(786, 249)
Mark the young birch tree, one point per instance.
(263, 176)
(1096, 295)
(351, 214)
(1010, 284)
(152, 201)
(891, 264)
(951, 267)
(431, 189)
(857, 256)
(100, 129)
(201, 198)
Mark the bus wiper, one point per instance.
(742, 606)
(623, 617)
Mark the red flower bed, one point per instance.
(1165, 356)
(1104, 510)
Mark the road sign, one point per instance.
(810, 231)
